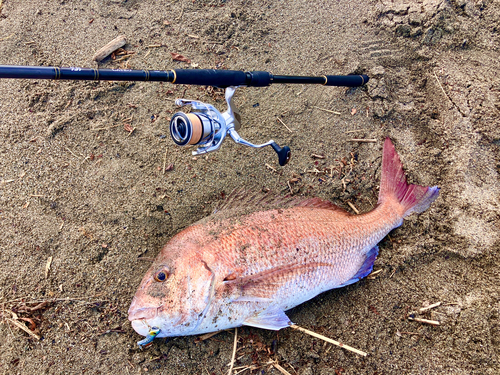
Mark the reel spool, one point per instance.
(191, 128)
(207, 128)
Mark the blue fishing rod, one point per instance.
(205, 127)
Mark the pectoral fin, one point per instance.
(262, 287)
(273, 318)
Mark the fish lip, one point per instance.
(143, 313)
(141, 326)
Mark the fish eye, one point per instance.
(161, 275)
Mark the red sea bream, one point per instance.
(235, 268)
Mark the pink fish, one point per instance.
(234, 269)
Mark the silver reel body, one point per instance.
(207, 128)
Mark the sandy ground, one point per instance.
(94, 201)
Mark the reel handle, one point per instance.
(284, 153)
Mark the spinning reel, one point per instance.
(206, 127)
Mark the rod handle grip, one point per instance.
(349, 81)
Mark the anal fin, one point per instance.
(273, 318)
(365, 269)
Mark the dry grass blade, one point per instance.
(24, 328)
(327, 110)
(424, 309)
(280, 369)
(47, 267)
(165, 161)
(363, 140)
(234, 351)
(206, 336)
(372, 275)
(353, 208)
(282, 123)
(426, 321)
(324, 338)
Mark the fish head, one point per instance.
(174, 297)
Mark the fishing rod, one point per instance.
(205, 127)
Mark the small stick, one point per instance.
(50, 300)
(281, 369)
(362, 140)
(47, 267)
(130, 132)
(291, 191)
(426, 321)
(423, 309)
(353, 208)
(7, 37)
(123, 58)
(24, 328)
(354, 131)
(106, 128)
(206, 336)
(6, 181)
(327, 110)
(182, 12)
(112, 46)
(165, 161)
(154, 46)
(373, 274)
(234, 351)
(290, 130)
(317, 156)
(271, 168)
(72, 153)
(439, 83)
(317, 335)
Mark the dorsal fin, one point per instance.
(242, 202)
(320, 203)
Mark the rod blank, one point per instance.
(204, 77)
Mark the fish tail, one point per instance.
(393, 185)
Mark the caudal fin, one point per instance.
(412, 198)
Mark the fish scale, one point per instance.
(249, 262)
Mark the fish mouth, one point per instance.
(141, 327)
(143, 319)
(143, 313)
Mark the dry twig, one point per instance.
(47, 267)
(112, 46)
(426, 321)
(317, 335)
(234, 351)
(165, 161)
(24, 328)
(290, 130)
(327, 110)
(362, 140)
(353, 208)
(424, 309)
